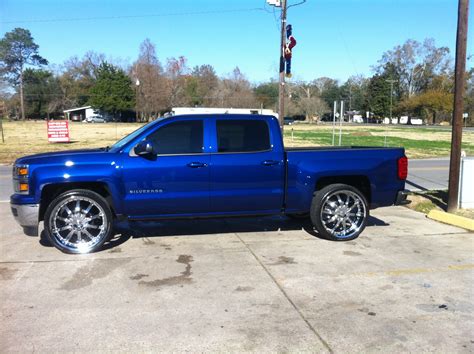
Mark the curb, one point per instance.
(452, 219)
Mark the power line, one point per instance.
(297, 4)
(70, 19)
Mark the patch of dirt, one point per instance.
(361, 134)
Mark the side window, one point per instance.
(242, 135)
(184, 137)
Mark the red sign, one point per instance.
(58, 131)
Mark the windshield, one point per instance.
(124, 141)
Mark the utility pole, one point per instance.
(391, 96)
(281, 86)
(137, 86)
(341, 117)
(459, 77)
(334, 114)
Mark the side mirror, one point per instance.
(145, 148)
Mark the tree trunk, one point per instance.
(22, 104)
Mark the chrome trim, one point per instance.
(26, 214)
(78, 223)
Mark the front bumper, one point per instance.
(402, 198)
(27, 216)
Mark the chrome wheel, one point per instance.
(78, 224)
(343, 213)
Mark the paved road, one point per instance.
(428, 174)
(242, 285)
(424, 174)
(6, 188)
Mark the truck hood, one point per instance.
(57, 156)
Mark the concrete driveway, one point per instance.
(252, 284)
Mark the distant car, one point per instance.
(95, 119)
(416, 121)
(288, 121)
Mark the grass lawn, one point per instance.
(25, 138)
(418, 142)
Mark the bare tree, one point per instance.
(236, 91)
(177, 73)
(78, 77)
(149, 81)
(416, 64)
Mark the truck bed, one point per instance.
(326, 148)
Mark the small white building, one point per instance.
(80, 113)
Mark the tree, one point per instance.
(78, 77)
(312, 108)
(152, 90)
(267, 94)
(305, 100)
(329, 90)
(177, 73)
(378, 95)
(17, 50)
(469, 100)
(42, 92)
(416, 64)
(235, 91)
(429, 104)
(354, 92)
(202, 85)
(112, 91)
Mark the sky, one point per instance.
(335, 38)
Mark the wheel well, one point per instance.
(51, 191)
(362, 183)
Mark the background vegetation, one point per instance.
(33, 88)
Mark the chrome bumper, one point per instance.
(27, 216)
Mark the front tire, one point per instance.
(78, 221)
(339, 212)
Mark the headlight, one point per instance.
(20, 179)
(20, 170)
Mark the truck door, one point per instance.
(177, 180)
(247, 175)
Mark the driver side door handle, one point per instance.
(270, 162)
(197, 164)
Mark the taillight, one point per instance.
(403, 168)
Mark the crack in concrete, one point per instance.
(300, 313)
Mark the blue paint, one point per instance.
(213, 183)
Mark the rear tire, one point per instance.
(78, 221)
(339, 212)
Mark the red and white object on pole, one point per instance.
(58, 131)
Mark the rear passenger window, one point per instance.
(242, 135)
(184, 137)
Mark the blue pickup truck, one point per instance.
(195, 166)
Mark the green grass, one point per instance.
(425, 207)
